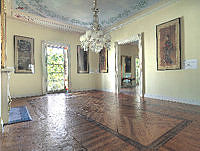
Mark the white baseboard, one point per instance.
(173, 99)
(106, 90)
(26, 95)
(77, 90)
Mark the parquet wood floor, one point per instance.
(102, 121)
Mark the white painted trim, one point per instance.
(173, 99)
(164, 4)
(44, 61)
(106, 90)
(44, 70)
(73, 90)
(54, 43)
(1, 126)
(69, 67)
(30, 18)
(83, 89)
(27, 95)
(134, 38)
(27, 17)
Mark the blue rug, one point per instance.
(19, 114)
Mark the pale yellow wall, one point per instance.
(183, 84)
(31, 84)
(106, 81)
(175, 83)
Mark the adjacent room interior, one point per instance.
(129, 60)
(100, 75)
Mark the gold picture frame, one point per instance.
(24, 54)
(103, 61)
(82, 60)
(168, 37)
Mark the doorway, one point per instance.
(56, 67)
(128, 54)
(129, 69)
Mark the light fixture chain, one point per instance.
(95, 39)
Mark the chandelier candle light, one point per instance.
(95, 39)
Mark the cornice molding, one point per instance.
(55, 44)
(26, 17)
(132, 39)
(141, 14)
(30, 18)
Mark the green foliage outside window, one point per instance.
(55, 69)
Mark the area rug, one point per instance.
(19, 114)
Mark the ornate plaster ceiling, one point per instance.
(79, 13)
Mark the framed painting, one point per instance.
(24, 54)
(128, 64)
(168, 37)
(82, 60)
(103, 61)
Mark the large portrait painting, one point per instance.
(24, 54)
(103, 61)
(82, 60)
(168, 45)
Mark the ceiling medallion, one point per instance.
(95, 39)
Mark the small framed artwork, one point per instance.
(24, 54)
(168, 37)
(82, 60)
(103, 61)
(128, 64)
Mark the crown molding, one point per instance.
(27, 17)
(140, 15)
(30, 18)
(132, 39)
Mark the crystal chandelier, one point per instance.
(95, 39)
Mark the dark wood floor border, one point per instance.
(122, 137)
(154, 145)
(159, 113)
(168, 135)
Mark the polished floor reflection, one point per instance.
(134, 91)
(103, 121)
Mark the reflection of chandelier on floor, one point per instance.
(95, 39)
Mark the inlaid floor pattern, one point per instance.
(102, 121)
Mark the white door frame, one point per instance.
(135, 38)
(44, 63)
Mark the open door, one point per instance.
(56, 68)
